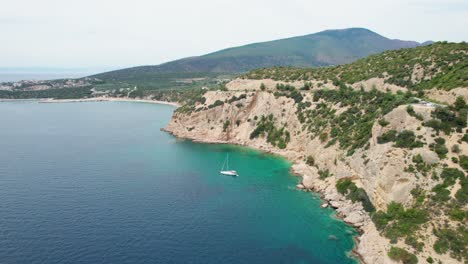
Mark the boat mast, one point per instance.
(227, 161)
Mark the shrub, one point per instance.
(381, 219)
(405, 257)
(458, 214)
(459, 103)
(306, 86)
(456, 148)
(310, 161)
(441, 193)
(398, 222)
(465, 137)
(323, 137)
(216, 103)
(464, 162)
(386, 137)
(277, 137)
(451, 240)
(462, 194)
(226, 125)
(355, 194)
(412, 113)
(383, 122)
(414, 243)
(323, 174)
(343, 185)
(439, 147)
(407, 139)
(451, 174)
(418, 159)
(437, 125)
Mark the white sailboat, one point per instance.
(225, 169)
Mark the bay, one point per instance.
(100, 183)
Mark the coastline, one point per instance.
(324, 194)
(297, 168)
(94, 99)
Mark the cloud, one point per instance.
(94, 33)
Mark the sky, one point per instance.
(109, 34)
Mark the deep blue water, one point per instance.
(100, 183)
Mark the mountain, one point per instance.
(330, 47)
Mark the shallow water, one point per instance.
(100, 183)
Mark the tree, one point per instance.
(459, 103)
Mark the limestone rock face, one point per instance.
(354, 218)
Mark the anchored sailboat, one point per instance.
(225, 169)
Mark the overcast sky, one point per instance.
(116, 33)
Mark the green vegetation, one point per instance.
(352, 128)
(465, 137)
(226, 125)
(407, 139)
(412, 113)
(262, 87)
(383, 122)
(444, 65)
(453, 241)
(62, 93)
(420, 165)
(404, 139)
(288, 91)
(462, 194)
(399, 222)
(400, 254)
(449, 175)
(237, 98)
(458, 214)
(329, 47)
(355, 194)
(464, 162)
(150, 79)
(188, 98)
(277, 137)
(448, 118)
(389, 136)
(323, 174)
(216, 104)
(310, 161)
(439, 147)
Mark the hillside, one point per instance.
(325, 48)
(393, 165)
(440, 65)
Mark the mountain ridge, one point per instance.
(325, 48)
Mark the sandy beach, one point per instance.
(94, 99)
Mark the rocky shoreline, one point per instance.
(369, 245)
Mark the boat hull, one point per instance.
(229, 173)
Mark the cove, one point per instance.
(100, 183)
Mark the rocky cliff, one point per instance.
(362, 149)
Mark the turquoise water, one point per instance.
(100, 183)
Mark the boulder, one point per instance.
(354, 218)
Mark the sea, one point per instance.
(99, 182)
